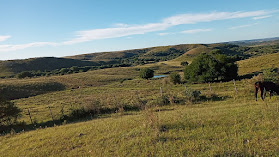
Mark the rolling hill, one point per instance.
(172, 53)
(131, 120)
(46, 63)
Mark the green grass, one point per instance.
(234, 126)
(222, 123)
(257, 64)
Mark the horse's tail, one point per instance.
(276, 89)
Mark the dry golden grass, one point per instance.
(259, 63)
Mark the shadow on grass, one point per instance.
(18, 91)
(213, 98)
(77, 115)
(248, 76)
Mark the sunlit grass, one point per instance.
(224, 123)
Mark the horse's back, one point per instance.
(269, 85)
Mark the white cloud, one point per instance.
(163, 34)
(243, 26)
(126, 30)
(261, 17)
(196, 18)
(121, 25)
(192, 31)
(121, 30)
(4, 37)
(4, 48)
(83, 36)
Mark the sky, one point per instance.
(57, 28)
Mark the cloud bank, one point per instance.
(121, 30)
(4, 37)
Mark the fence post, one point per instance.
(71, 106)
(62, 110)
(234, 86)
(161, 91)
(51, 115)
(210, 88)
(30, 116)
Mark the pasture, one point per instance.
(223, 122)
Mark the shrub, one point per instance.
(24, 74)
(184, 63)
(163, 100)
(8, 112)
(146, 73)
(175, 78)
(271, 75)
(74, 68)
(63, 70)
(192, 95)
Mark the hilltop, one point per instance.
(177, 53)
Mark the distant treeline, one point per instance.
(64, 71)
(48, 66)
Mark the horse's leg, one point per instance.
(262, 92)
(256, 92)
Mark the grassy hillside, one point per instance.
(257, 64)
(234, 125)
(21, 88)
(174, 53)
(220, 123)
(42, 64)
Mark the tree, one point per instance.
(175, 78)
(8, 112)
(184, 63)
(210, 67)
(63, 70)
(24, 74)
(146, 73)
(74, 68)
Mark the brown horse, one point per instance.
(266, 86)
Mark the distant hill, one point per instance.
(45, 63)
(256, 42)
(184, 52)
(160, 53)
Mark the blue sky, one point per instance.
(39, 28)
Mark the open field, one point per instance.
(233, 124)
(222, 122)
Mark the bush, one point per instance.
(184, 63)
(63, 70)
(8, 112)
(192, 95)
(163, 100)
(271, 74)
(175, 78)
(146, 73)
(74, 68)
(24, 74)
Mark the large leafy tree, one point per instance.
(210, 67)
(8, 112)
